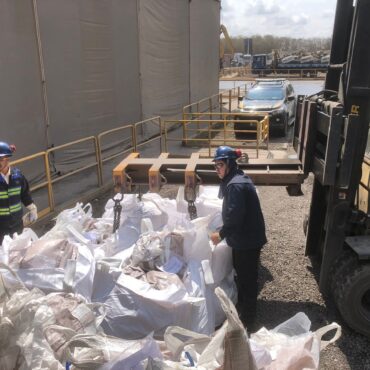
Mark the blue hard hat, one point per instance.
(5, 150)
(225, 152)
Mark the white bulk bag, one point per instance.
(15, 248)
(76, 276)
(108, 353)
(228, 348)
(79, 218)
(196, 241)
(135, 308)
(207, 202)
(292, 345)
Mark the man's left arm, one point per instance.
(27, 200)
(26, 197)
(235, 211)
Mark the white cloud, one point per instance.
(263, 7)
(295, 18)
(300, 19)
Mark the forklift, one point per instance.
(331, 141)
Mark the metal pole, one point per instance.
(225, 129)
(98, 161)
(42, 71)
(165, 137)
(258, 136)
(209, 138)
(48, 179)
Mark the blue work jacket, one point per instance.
(12, 196)
(243, 222)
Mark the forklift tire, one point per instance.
(342, 266)
(352, 297)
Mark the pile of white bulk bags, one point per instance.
(148, 296)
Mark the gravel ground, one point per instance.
(288, 283)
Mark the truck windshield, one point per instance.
(265, 93)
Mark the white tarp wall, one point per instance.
(90, 58)
(21, 105)
(164, 56)
(93, 53)
(106, 63)
(204, 48)
(91, 64)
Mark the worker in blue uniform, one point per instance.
(14, 191)
(243, 228)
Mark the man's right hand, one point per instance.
(215, 237)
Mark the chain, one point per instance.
(192, 210)
(117, 213)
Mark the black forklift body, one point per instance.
(331, 134)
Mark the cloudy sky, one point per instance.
(294, 18)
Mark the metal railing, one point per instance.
(128, 138)
(219, 129)
(247, 72)
(215, 102)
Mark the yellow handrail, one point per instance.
(99, 161)
(216, 135)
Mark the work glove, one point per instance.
(30, 216)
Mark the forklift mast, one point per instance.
(330, 138)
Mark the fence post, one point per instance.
(161, 134)
(98, 160)
(165, 136)
(184, 132)
(209, 138)
(220, 103)
(224, 129)
(258, 136)
(230, 100)
(50, 185)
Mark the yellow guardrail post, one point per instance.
(258, 136)
(184, 133)
(49, 185)
(230, 101)
(161, 134)
(165, 137)
(220, 102)
(209, 138)
(225, 129)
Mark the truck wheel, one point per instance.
(352, 297)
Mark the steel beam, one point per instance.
(195, 170)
